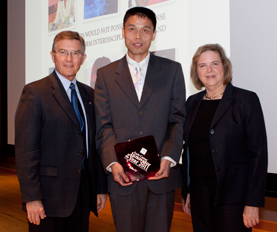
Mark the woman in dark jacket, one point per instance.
(225, 151)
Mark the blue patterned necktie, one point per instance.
(74, 102)
(77, 107)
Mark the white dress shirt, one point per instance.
(142, 66)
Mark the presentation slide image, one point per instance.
(61, 14)
(96, 8)
(178, 27)
(133, 3)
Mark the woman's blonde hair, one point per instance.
(225, 61)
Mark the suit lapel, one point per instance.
(152, 79)
(88, 107)
(61, 96)
(224, 104)
(124, 80)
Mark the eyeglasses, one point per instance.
(74, 54)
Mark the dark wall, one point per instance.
(3, 76)
(5, 149)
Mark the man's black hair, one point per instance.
(141, 12)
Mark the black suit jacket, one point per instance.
(161, 112)
(49, 145)
(238, 145)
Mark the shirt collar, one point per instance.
(65, 82)
(141, 64)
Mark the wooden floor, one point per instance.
(13, 219)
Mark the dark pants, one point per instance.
(208, 218)
(142, 210)
(78, 221)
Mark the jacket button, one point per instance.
(81, 134)
(212, 131)
(140, 113)
(141, 133)
(217, 169)
(79, 171)
(80, 153)
(214, 151)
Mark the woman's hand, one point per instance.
(250, 216)
(186, 205)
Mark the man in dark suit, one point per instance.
(129, 107)
(61, 177)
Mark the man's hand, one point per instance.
(35, 211)
(186, 205)
(164, 170)
(119, 175)
(250, 216)
(101, 201)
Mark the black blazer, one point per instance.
(161, 112)
(48, 142)
(238, 145)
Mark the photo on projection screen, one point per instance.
(96, 8)
(145, 3)
(61, 14)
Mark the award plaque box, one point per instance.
(138, 157)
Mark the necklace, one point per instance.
(213, 96)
